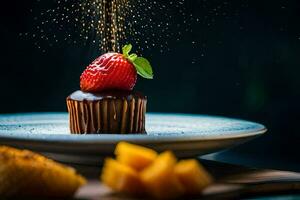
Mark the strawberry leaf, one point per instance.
(143, 67)
(126, 50)
(132, 57)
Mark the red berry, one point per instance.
(109, 71)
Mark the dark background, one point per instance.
(244, 63)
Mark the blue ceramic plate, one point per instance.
(186, 135)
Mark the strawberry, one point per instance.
(109, 71)
(115, 71)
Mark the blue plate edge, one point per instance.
(103, 138)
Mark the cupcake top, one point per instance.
(115, 71)
(107, 94)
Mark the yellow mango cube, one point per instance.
(121, 178)
(159, 178)
(192, 176)
(135, 156)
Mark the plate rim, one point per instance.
(114, 138)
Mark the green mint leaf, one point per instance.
(143, 67)
(126, 50)
(132, 57)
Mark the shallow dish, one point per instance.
(187, 135)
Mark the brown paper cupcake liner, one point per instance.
(107, 116)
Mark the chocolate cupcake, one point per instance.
(107, 112)
(106, 102)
